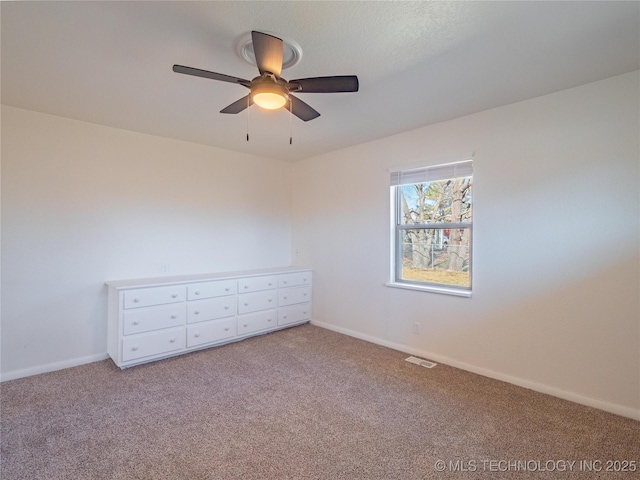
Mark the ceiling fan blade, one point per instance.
(301, 109)
(196, 72)
(238, 105)
(268, 52)
(342, 83)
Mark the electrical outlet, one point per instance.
(416, 328)
(163, 268)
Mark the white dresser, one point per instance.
(154, 318)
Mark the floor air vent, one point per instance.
(421, 362)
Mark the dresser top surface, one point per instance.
(199, 277)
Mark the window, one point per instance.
(432, 227)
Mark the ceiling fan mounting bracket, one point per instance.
(291, 51)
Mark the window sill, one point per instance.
(432, 289)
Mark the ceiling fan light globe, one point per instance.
(269, 94)
(269, 100)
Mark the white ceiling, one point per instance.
(418, 63)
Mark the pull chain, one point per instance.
(290, 122)
(248, 105)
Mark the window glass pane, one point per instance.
(436, 255)
(443, 201)
(433, 224)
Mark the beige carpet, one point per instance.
(304, 403)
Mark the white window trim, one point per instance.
(432, 163)
(432, 288)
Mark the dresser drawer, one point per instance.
(211, 332)
(152, 344)
(294, 279)
(256, 322)
(139, 320)
(145, 297)
(252, 302)
(210, 309)
(289, 296)
(220, 288)
(255, 284)
(293, 314)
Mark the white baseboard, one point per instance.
(52, 367)
(538, 387)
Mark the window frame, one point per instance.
(398, 228)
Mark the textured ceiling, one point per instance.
(418, 63)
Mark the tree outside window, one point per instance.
(433, 226)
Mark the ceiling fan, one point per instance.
(270, 90)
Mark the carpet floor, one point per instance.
(302, 403)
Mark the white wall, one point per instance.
(556, 255)
(83, 203)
